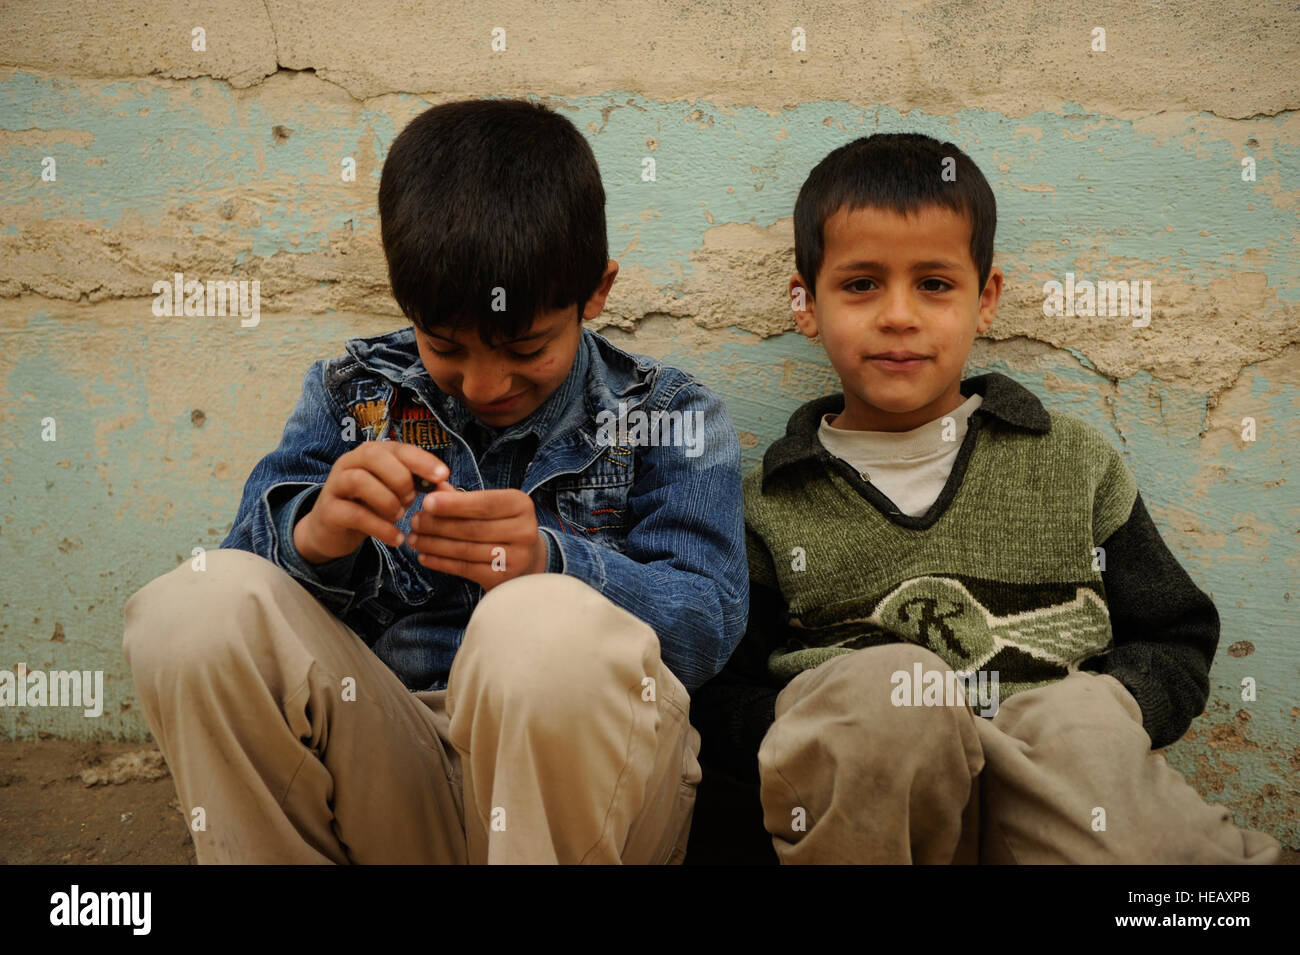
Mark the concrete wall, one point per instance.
(225, 164)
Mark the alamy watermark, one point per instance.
(83, 688)
(922, 687)
(653, 429)
(1104, 297)
(75, 907)
(194, 298)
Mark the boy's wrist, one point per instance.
(541, 554)
(303, 544)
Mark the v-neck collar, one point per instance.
(1004, 401)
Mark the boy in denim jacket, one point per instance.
(966, 636)
(464, 601)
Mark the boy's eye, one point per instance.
(531, 354)
(854, 286)
(940, 282)
(444, 354)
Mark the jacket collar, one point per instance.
(1004, 400)
(394, 355)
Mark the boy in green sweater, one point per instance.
(966, 635)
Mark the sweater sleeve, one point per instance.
(734, 710)
(1165, 628)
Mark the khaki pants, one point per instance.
(848, 777)
(291, 742)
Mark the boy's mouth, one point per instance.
(898, 360)
(497, 407)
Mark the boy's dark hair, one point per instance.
(479, 195)
(900, 172)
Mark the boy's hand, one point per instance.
(488, 537)
(367, 492)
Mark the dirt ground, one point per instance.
(63, 801)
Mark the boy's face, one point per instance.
(504, 383)
(897, 305)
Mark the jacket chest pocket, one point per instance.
(594, 504)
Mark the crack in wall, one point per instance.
(1111, 406)
(275, 37)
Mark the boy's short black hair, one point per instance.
(897, 171)
(480, 195)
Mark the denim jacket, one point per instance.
(650, 517)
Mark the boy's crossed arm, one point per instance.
(1165, 629)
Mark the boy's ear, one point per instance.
(989, 300)
(596, 303)
(802, 304)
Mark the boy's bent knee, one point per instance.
(187, 614)
(1081, 702)
(534, 599)
(552, 638)
(223, 572)
(862, 681)
(854, 703)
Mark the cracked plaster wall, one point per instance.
(225, 164)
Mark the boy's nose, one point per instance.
(896, 310)
(484, 385)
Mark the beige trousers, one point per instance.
(561, 737)
(1061, 774)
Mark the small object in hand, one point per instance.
(423, 484)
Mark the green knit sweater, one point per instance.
(1037, 558)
